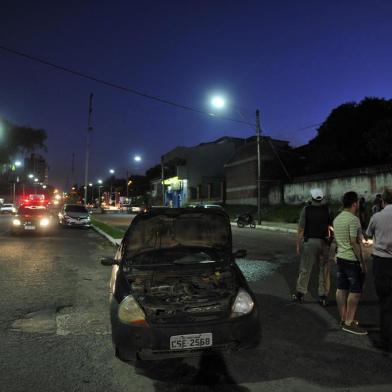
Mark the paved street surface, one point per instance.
(55, 330)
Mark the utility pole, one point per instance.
(163, 181)
(126, 184)
(258, 132)
(89, 129)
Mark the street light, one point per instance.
(99, 191)
(92, 192)
(137, 159)
(31, 175)
(111, 171)
(219, 102)
(18, 163)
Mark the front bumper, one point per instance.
(153, 342)
(76, 223)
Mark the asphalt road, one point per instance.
(55, 330)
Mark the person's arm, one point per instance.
(301, 230)
(371, 228)
(356, 243)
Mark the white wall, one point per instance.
(365, 185)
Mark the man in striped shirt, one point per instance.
(351, 268)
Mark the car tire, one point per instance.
(121, 358)
(240, 224)
(253, 225)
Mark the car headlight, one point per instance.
(242, 305)
(130, 312)
(44, 222)
(16, 222)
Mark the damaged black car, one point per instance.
(176, 289)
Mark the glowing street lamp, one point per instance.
(99, 191)
(35, 179)
(31, 175)
(18, 163)
(137, 158)
(111, 171)
(218, 102)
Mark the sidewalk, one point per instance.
(276, 226)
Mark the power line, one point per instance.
(115, 85)
(135, 91)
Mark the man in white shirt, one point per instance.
(380, 228)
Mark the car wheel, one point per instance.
(121, 358)
(240, 224)
(253, 225)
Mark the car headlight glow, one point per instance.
(16, 222)
(130, 312)
(242, 305)
(44, 222)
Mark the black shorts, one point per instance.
(349, 276)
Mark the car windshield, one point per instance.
(76, 209)
(31, 211)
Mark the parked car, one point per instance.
(206, 206)
(32, 218)
(74, 215)
(7, 208)
(176, 290)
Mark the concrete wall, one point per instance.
(366, 185)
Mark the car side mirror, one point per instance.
(109, 261)
(240, 253)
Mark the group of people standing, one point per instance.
(321, 238)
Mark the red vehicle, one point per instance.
(33, 218)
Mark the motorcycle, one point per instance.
(245, 220)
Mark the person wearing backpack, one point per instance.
(313, 246)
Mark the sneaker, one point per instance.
(356, 322)
(299, 297)
(323, 301)
(353, 328)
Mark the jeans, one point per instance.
(382, 270)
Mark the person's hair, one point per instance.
(349, 198)
(387, 197)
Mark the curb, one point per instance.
(272, 228)
(113, 241)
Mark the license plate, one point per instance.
(183, 342)
(29, 227)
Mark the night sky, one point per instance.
(295, 60)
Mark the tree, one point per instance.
(16, 139)
(353, 135)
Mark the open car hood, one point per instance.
(170, 228)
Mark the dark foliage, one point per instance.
(16, 139)
(353, 135)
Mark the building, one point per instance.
(196, 174)
(36, 165)
(277, 161)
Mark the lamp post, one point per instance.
(111, 171)
(92, 191)
(99, 192)
(219, 103)
(137, 159)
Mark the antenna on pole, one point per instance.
(89, 129)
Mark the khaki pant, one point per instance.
(314, 251)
